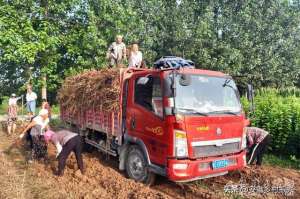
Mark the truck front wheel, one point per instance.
(136, 166)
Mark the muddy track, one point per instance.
(103, 180)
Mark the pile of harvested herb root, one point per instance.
(93, 89)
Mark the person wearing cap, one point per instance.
(12, 113)
(116, 52)
(65, 142)
(34, 131)
(31, 101)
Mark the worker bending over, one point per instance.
(257, 143)
(65, 142)
(34, 133)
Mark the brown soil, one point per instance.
(18, 179)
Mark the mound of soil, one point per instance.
(18, 179)
(100, 179)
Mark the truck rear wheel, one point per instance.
(137, 167)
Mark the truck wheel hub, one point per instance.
(136, 166)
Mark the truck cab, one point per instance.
(182, 123)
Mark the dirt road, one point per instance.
(18, 179)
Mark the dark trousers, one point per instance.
(38, 146)
(258, 150)
(74, 144)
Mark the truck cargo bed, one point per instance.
(106, 122)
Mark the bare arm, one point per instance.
(47, 127)
(30, 125)
(250, 140)
(58, 148)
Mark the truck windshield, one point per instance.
(204, 95)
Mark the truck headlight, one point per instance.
(180, 144)
(244, 140)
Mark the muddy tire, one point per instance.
(137, 166)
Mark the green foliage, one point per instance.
(280, 115)
(57, 124)
(284, 162)
(55, 110)
(4, 106)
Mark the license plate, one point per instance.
(219, 164)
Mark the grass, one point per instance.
(58, 124)
(3, 107)
(285, 162)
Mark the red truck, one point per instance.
(182, 123)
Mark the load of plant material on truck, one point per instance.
(93, 89)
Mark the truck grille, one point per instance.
(213, 150)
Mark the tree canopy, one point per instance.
(256, 40)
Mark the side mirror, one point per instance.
(250, 96)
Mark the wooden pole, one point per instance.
(44, 88)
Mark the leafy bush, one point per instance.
(278, 111)
(4, 105)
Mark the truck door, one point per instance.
(145, 116)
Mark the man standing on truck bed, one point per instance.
(65, 142)
(257, 143)
(116, 52)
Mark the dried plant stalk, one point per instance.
(98, 89)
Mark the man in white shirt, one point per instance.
(116, 52)
(31, 101)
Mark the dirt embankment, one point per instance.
(18, 179)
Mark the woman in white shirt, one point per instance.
(35, 130)
(135, 57)
(31, 101)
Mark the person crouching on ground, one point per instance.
(66, 142)
(257, 143)
(34, 132)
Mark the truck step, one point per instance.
(101, 147)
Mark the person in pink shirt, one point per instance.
(65, 142)
(257, 144)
